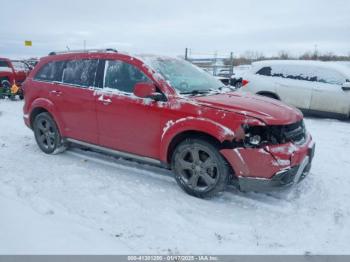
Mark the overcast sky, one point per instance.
(168, 26)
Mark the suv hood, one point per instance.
(268, 110)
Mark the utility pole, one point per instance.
(186, 53)
(215, 62)
(231, 63)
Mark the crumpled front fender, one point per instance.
(204, 125)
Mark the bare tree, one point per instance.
(283, 55)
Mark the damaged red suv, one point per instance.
(167, 112)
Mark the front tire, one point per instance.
(199, 168)
(5, 86)
(47, 134)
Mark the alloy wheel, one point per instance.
(46, 134)
(197, 168)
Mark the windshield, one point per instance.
(183, 76)
(19, 66)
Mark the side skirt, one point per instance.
(117, 153)
(311, 112)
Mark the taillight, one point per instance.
(244, 82)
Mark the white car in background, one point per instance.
(312, 86)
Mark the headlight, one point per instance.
(255, 135)
(255, 140)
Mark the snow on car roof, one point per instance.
(329, 65)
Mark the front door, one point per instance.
(127, 123)
(328, 95)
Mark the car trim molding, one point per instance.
(118, 153)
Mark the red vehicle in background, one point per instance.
(12, 75)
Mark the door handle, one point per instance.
(105, 101)
(56, 92)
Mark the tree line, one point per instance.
(251, 56)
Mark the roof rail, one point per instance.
(84, 51)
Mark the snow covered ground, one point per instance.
(82, 202)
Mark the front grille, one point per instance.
(288, 133)
(277, 134)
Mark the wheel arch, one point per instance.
(269, 94)
(2, 78)
(36, 111)
(41, 105)
(182, 129)
(180, 137)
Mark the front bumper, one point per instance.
(282, 179)
(271, 168)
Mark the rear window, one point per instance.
(73, 72)
(80, 72)
(51, 71)
(265, 71)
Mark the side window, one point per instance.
(58, 70)
(4, 63)
(265, 71)
(50, 72)
(80, 72)
(45, 73)
(122, 76)
(329, 76)
(293, 71)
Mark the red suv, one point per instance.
(168, 112)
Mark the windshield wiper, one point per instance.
(195, 92)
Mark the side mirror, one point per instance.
(346, 86)
(147, 90)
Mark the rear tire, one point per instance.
(47, 134)
(199, 168)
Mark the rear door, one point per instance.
(75, 99)
(328, 95)
(127, 123)
(292, 84)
